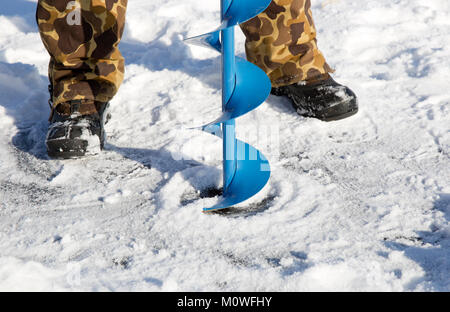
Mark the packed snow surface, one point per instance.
(356, 205)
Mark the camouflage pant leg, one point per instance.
(82, 38)
(282, 41)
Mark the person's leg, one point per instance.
(82, 38)
(85, 70)
(282, 41)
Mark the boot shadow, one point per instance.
(24, 99)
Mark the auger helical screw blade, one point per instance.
(244, 87)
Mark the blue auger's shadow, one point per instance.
(177, 56)
(162, 160)
(434, 260)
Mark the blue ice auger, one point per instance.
(244, 87)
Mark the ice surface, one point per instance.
(360, 204)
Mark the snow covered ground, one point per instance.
(356, 205)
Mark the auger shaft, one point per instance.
(244, 87)
(228, 86)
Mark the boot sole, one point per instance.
(352, 109)
(349, 108)
(351, 112)
(340, 117)
(68, 149)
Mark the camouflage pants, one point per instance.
(82, 38)
(282, 41)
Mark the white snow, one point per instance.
(361, 204)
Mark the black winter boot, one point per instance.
(76, 129)
(323, 99)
